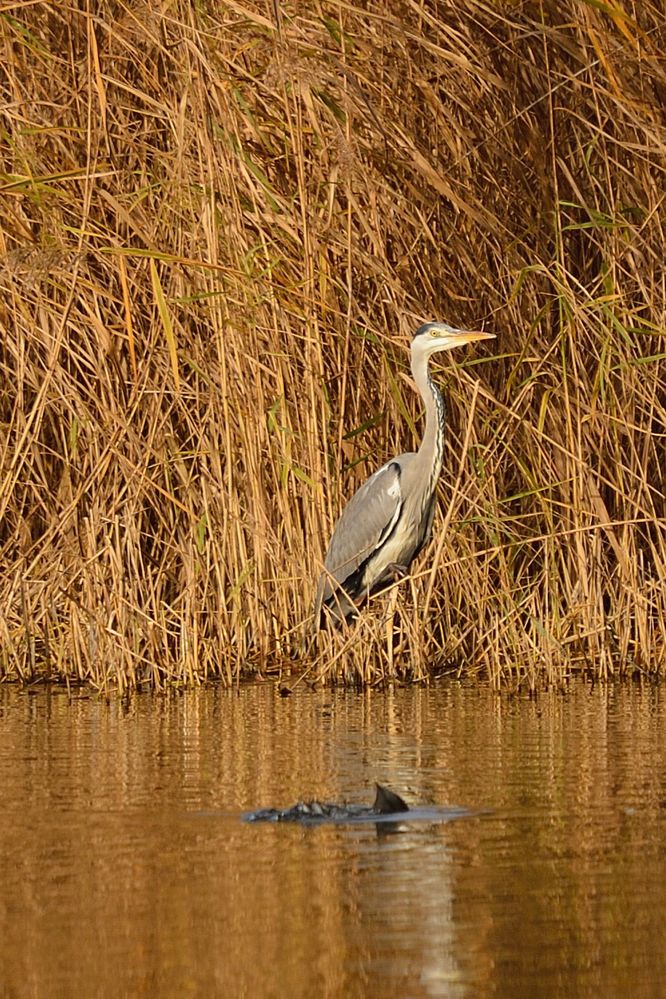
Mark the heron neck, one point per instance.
(431, 451)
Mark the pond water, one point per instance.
(126, 869)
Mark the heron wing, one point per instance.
(366, 521)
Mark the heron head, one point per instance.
(433, 337)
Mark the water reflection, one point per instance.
(125, 867)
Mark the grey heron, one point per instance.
(388, 520)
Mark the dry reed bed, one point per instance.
(218, 232)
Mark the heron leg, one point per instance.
(397, 571)
(390, 632)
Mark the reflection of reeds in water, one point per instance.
(128, 817)
(218, 236)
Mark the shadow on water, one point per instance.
(357, 815)
(126, 868)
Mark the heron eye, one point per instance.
(434, 332)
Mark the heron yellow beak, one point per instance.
(470, 336)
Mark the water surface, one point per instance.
(125, 868)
